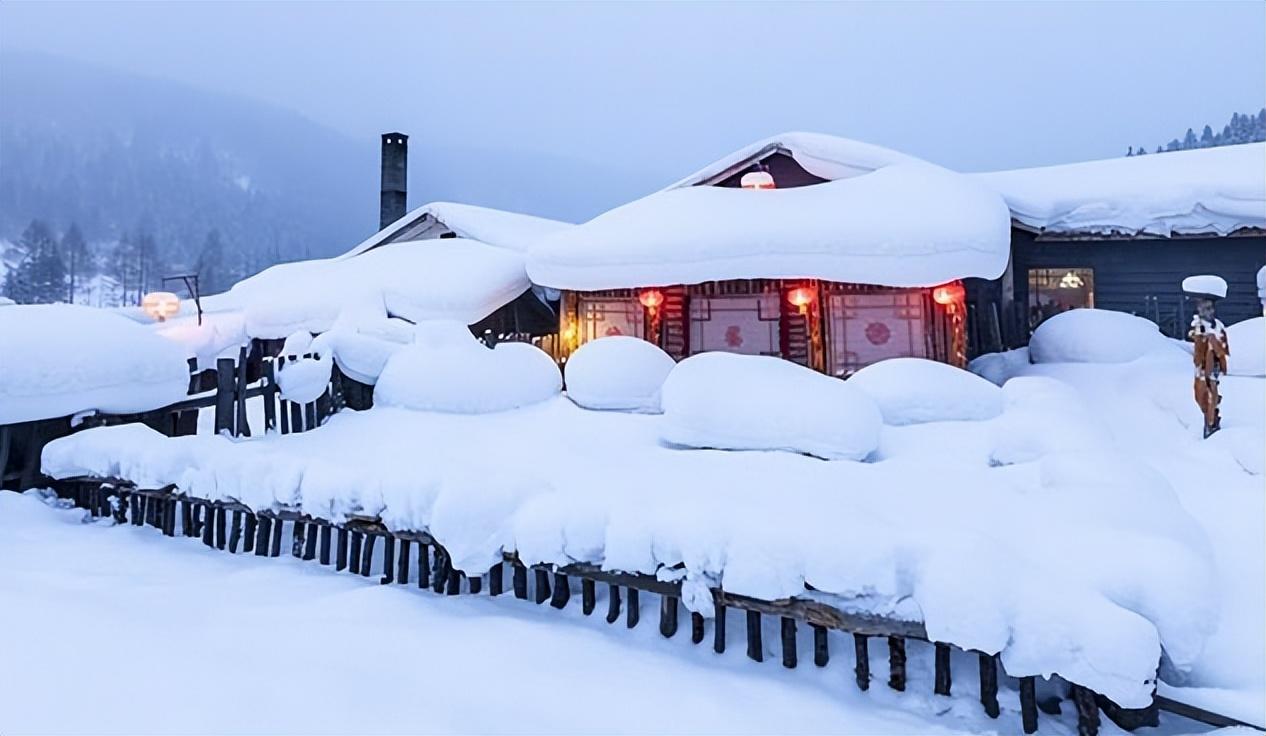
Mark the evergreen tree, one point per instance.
(75, 251)
(1206, 138)
(124, 269)
(1140, 151)
(40, 277)
(1190, 141)
(210, 266)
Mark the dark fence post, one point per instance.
(239, 394)
(224, 396)
(269, 395)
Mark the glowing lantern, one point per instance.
(651, 299)
(949, 294)
(801, 297)
(161, 304)
(757, 180)
(1071, 280)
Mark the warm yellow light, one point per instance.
(160, 305)
(949, 294)
(801, 298)
(757, 180)
(569, 332)
(651, 299)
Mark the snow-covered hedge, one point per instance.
(1248, 347)
(447, 370)
(752, 402)
(1095, 336)
(914, 390)
(618, 372)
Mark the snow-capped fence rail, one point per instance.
(353, 544)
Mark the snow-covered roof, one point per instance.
(495, 227)
(885, 219)
(828, 156)
(1210, 190)
(61, 359)
(451, 278)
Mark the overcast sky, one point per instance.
(665, 87)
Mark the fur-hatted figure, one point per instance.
(1210, 349)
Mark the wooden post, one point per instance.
(696, 627)
(224, 396)
(788, 643)
(897, 663)
(310, 541)
(520, 582)
(270, 395)
(453, 579)
(667, 616)
(821, 646)
(208, 526)
(220, 523)
(388, 560)
(186, 517)
(718, 627)
(367, 561)
(169, 526)
(989, 684)
(325, 544)
(424, 565)
(283, 411)
(613, 603)
(562, 591)
(340, 555)
(439, 570)
(476, 584)
(755, 650)
(235, 536)
(542, 585)
(279, 528)
(297, 539)
(942, 686)
(496, 579)
(354, 554)
(239, 394)
(402, 567)
(261, 540)
(588, 596)
(296, 417)
(634, 611)
(862, 669)
(1028, 703)
(251, 529)
(1087, 711)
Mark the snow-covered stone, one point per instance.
(1205, 284)
(444, 371)
(916, 390)
(618, 372)
(1248, 347)
(1095, 336)
(61, 359)
(753, 402)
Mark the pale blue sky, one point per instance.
(663, 87)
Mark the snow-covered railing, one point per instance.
(351, 546)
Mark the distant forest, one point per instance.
(1243, 128)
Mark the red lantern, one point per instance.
(801, 298)
(651, 299)
(949, 294)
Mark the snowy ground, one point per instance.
(119, 630)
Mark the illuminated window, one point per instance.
(867, 328)
(745, 324)
(603, 317)
(1055, 290)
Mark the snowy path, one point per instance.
(172, 637)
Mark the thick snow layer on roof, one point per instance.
(60, 359)
(495, 227)
(456, 278)
(828, 156)
(1209, 190)
(908, 224)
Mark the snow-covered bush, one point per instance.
(1248, 347)
(1044, 415)
(753, 402)
(1095, 336)
(447, 370)
(915, 390)
(618, 372)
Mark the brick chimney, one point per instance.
(395, 166)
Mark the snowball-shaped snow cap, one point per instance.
(756, 402)
(618, 372)
(1205, 285)
(914, 390)
(1095, 336)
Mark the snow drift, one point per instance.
(618, 372)
(915, 390)
(1095, 336)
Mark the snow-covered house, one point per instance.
(825, 251)
(1121, 234)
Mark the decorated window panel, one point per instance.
(1055, 290)
(746, 323)
(606, 317)
(867, 328)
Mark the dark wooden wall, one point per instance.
(786, 172)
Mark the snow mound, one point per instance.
(997, 368)
(618, 372)
(445, 371)
(1095, 336)
(1246, 444)
(61, 359)
(753, 402)
(304, 379)
(1248, 347)
(916, 390)
(1041, 416)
